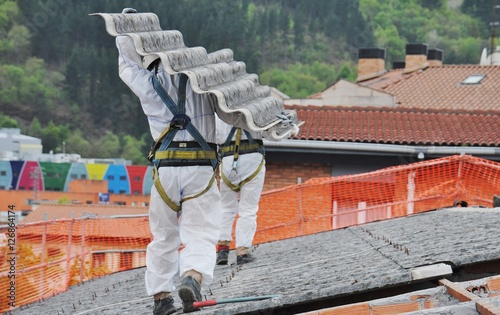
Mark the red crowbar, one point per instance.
(242, 299)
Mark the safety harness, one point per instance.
(236, 148)
(163, 152)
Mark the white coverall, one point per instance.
(246, 202)
(198, 229)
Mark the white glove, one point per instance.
(129, 10)
(295, 130)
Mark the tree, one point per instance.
(432, 4)
(7, 122)
(134, 150)
(77, 144)
(53, 137)
(35, 129)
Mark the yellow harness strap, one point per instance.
(170, 202)
(237, 188)
(242, 147)
(237, 143)
(151, 153)
(186, 155)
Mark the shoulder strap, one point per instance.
(180, 120)
(230, 136)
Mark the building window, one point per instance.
(83, 176)
(473, 79)
(98, 259)
(137, 179)
(126, 261)
(2, 187)
(123, 177)
(122, 191)
(74, 176)
(111, 177)
(136, 192)
(3, 173)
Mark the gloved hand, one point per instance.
(129, 10)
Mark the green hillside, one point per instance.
(58, 67)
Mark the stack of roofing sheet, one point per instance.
(241, 100)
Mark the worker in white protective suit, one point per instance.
(242, 173)
(181, 182)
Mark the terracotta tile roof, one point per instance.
(379, 83)
(67, 211)
(441, 87)
(399, 126)
(106, 229)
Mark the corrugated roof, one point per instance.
(323, 270)
(399, 126)
(242, 101)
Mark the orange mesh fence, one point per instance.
(39, 260)
(45, 258)
(324, 204)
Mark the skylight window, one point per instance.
(473, 79)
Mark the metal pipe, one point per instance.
(234, 300)
(378, 147)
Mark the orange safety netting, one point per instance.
(50, 256)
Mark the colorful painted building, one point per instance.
(25, 183)
(48, 176)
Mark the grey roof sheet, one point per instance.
(312, 268)
(241, 100)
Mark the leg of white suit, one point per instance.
(198, 229)
(229, 204)
(247, 213)
(249, 197)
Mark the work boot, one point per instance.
(243, 259)
(189, 292)
(164, 306)
(222, 254)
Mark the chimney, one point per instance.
(371, 63)
(435, 57)
(416, 57)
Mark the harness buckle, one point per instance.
(180, 121)
(234, 170)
